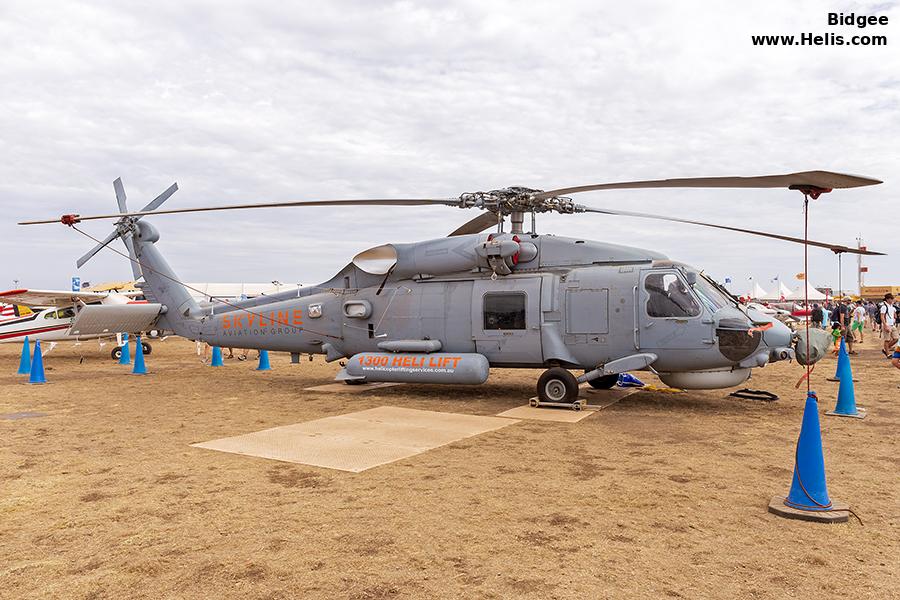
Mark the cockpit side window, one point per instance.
(668, 296)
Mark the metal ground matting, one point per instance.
(361, 440)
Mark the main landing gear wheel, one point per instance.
(604, 383)
(117, 351)
(557, 385)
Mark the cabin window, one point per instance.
(668, 296)
(504, 311)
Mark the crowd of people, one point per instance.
(849, 320)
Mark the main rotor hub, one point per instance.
(517, 199)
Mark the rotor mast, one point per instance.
(516, 219)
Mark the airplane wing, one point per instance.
(56, 298)
(97, 319)
(47, 298)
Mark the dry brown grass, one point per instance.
(659, 496)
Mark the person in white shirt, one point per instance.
(859, 319)
(888, 328)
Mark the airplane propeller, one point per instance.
(516, 201)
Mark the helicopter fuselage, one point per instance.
(565, 302)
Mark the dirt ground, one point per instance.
(661, 495)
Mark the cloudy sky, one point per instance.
(256, 101)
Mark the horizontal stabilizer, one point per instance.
(117, 318)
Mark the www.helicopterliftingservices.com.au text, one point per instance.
(832, 39)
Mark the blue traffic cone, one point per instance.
(843, 362)
(808, 488)
(846, 400)
(125, 357)
(629, 380)
(37, 365)
(217, 357)
(842, 357)
(808, 499)
(264, 361)
(139, 367)
(25, 361)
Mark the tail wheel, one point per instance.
(116, 353)
(604, 383)
(557, 385)
(147, 348)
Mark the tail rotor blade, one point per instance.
(80, 262)
(157, 202)
(120, 194)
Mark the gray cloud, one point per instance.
(255, 101)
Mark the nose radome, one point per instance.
(779, 335)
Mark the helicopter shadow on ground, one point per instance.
(695, 402)
(497, 397)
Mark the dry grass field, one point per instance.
(659, 496)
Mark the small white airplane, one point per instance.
(49, 315)
(781, 314)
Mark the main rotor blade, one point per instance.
(365, 202)
(819, 179)
(120, 195)
(156, 202)
(480, 223)
(97, 249)
(836, 248)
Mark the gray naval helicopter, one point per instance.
(445, 310)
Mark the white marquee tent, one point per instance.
(814, 294)
(783, 291)
(757, 292)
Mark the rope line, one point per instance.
(826, 507)
(806, 281)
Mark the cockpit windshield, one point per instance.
(711, 294)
